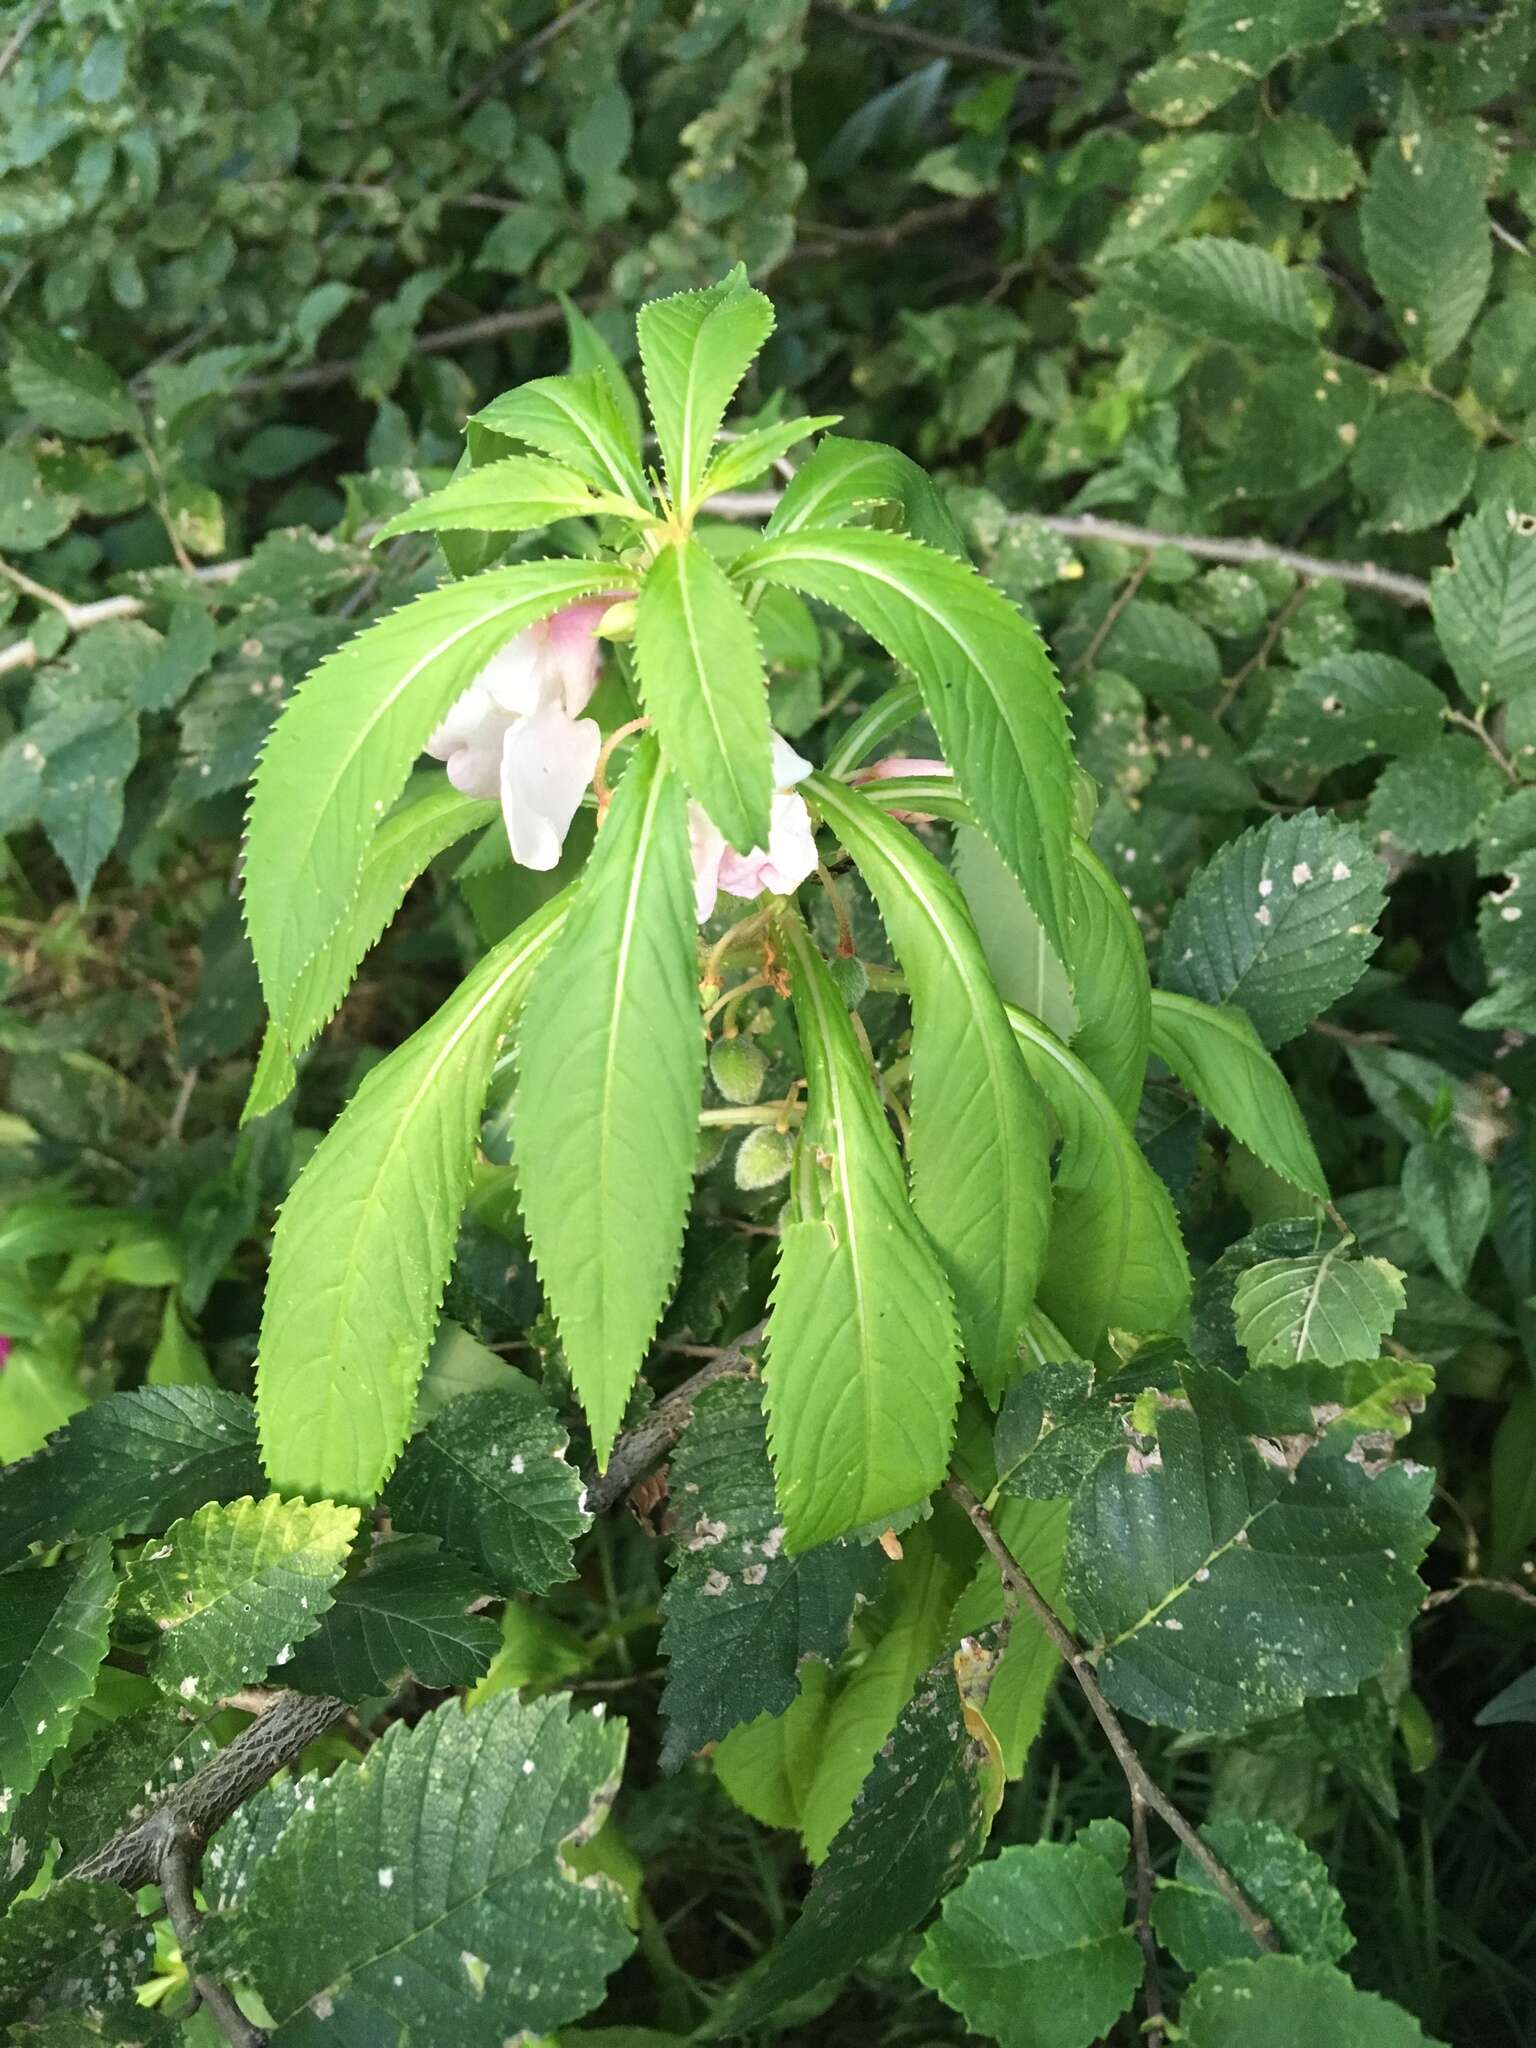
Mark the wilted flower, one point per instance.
(517, 732)
(780, 867)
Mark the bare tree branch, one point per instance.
(178, 1874)
(196, 1810)
(944, 46)
(24, 28)
(1016, 1581)
(648, 1442)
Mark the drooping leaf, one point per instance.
(578, 421)
(341, 751)
(1216, 1053)
(1214, 1586)
(133, 1461)
(1108, 965)
(741, 1616)
(1427, 243)
(980, 1146)
(702, 681)
(610, 1067)
(1281, 2001)
(1023, 966)
(513, 495)
(1280, 1875)
(1278, 922)
(78, 1947)
(365, 1240)
(1449, 1195)
(489, 1475)
(1324, 1306)
(400, 851)
(986, 682)
(862, 1375)
(406, 1614)
(1034, 1950)
(767, 1766)
(695, 348)
(80, 804)
(915, 1826)
(843, 480)
(232, 1588)
(450, 1912)
(54, 1621)
(1485, 604)
(1115, 1257)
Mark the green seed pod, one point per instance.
(737, 1068)
(851, 982)
(762, 1158)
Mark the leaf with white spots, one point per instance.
(1485, 604)
(1325, 1306)
(1347, 708)
(489, 1475)
(1424, 226)
(132, 1461)
(123, 1773)
(1283, 2002)
(1287, 1881)
(1435, 801)
(1220, 1577)
(1278, 922)
(915, 1826)
(53, 1636)
(230, 1588)
(450, 1913)
(1256, 39)
(1176, 179)
(405, 1615)
(741, 1616)
(79, 1948)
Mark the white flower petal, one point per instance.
(788, 766)
(706, 843)
(546, 765)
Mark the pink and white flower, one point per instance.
(777, 868)
(517, 732)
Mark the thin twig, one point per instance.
(1153, 2034)
(24, 28)
(81, 617)
(1502, 234)
(177, 1875)
(521, 52)
(1015, 1577)
(1106, 625)
(199, 1807)
(945, 46)
(1260, 661)
(1480, 732)
(1508, 1589)
(648, 1442)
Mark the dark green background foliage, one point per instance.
(1231, 273)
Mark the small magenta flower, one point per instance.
(778, 868)
(517, 732)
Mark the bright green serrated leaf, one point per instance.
(740, 1615)
(514, 495)
(1216, 1053)
(133, 1461)
(1033, 1949)
(702, 681)
(54, 1623)
(232, 1588)
(743, 461)
(862, 1374)
(489, 1475)
(450, 1911)
(365, 1241)
(695, 348)
(578, 421)
(986, 681)
(843, 482)
(979, 1148)
(1278, 922)
(610, 1067)
(1115, 1259)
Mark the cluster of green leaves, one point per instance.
(1048, 1216)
